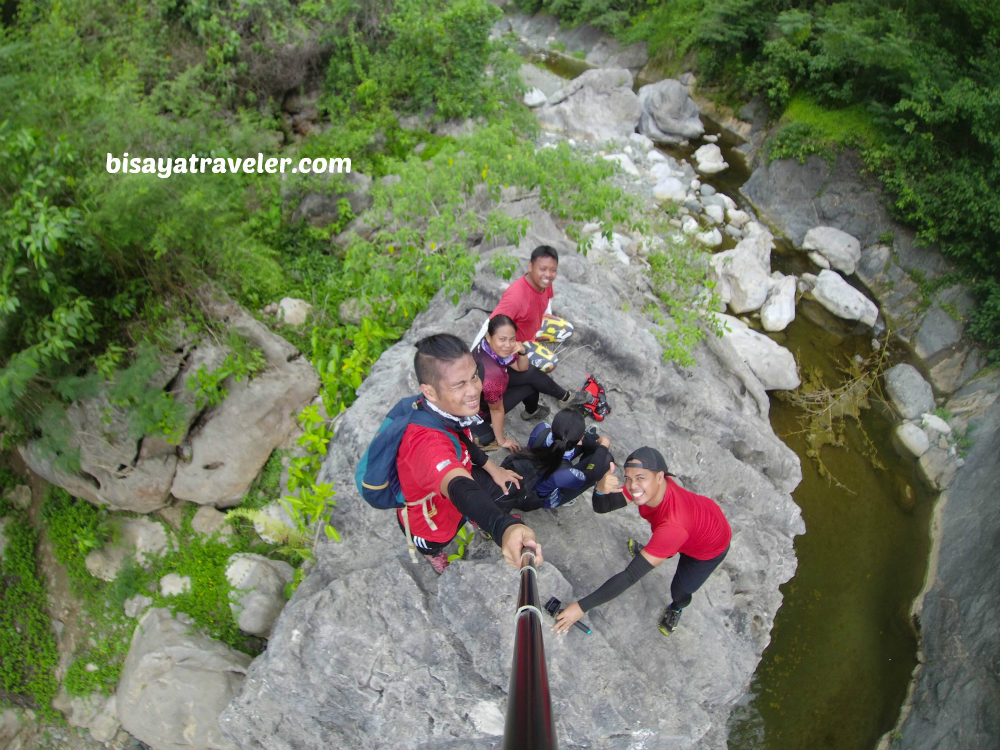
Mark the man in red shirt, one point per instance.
(681, 522)
(441, 488)
(527, 299)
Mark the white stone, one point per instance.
(175, 682)
(136, 605)
(843, 300)
(773, 364)
(534, 97)
(293, 311)
(641, 142)
(20, 495)
(778, 309)
(173, 584)
(747, 269)
(670, 189)
(258, 593)
(689, 225)
(625, 164)
(912, 439)
(708, 159)
(663, 170)
(840, 249)
(934, 422)
(715, 212)
(710, 238)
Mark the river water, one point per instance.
(843, 647)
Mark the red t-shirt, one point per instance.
(425, 456)
(525, 306)
(688, 523)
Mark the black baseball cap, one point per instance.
(647, 458)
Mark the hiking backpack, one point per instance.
(376, 476)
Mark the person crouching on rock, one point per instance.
(442, 489)
(566, 459)
(681, 522)
(498, 356)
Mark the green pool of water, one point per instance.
(843, 647)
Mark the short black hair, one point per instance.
(500, 320)
(433, 349)
(544, 251)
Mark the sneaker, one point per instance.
(439, 562)
(669, 620)
(578, 398)
(634, 548)
(493, 445)
(540, 413)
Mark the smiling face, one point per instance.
(456, 389)
(646, 487)
(542, 272)
(503, 340)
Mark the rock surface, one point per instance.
(375, 652)
(224, 446)
(908, 392)
(669, 114)
(956, 697)
(596, 105)
(174, 683)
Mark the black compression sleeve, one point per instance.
(609, 502)
(474, 502)
(595, 464)
(617, 583)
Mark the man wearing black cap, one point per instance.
(681, 521)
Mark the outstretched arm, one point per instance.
(640, 565)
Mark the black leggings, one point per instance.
(523, 387)
(689, 577)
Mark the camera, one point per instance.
(553, 606)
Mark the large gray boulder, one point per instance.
(669, 114)
(772, 363)
(595, 106)
(174, 683)
(224, 446)
(840, 298)
(373, 651)
(908, 392)
(234, 439)
(829, 247)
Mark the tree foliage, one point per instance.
(923, 72)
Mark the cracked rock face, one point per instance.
(376, 652)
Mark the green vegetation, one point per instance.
(27, 644)
(99, 265)
(911, 85)
(75, 527)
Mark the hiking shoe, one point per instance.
(669, 620)
(540, 413)
(493, 445)
(439, 562)
(578, 398)
(634, 548)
